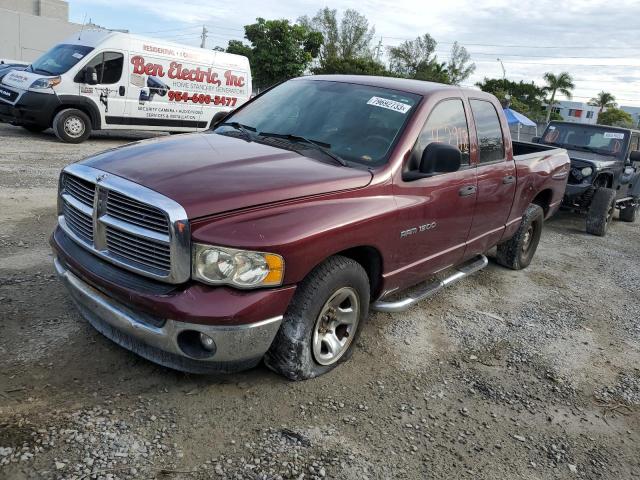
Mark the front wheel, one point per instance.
(323, 320)
(517, 252)
(601, 210)
(72, 125)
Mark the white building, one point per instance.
(578, 112)
(635, 114)
(29, 28)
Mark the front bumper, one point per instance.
(31, 108)
(171, 343)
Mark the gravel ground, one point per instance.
(507, 375)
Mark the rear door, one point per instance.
(496, 178)
(436, 212)
(109, 94)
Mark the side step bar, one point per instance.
(464, 270)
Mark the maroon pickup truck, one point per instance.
(272, 234)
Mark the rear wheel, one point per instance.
(72, 125)
(323, 320)
(517, 252)
(601, 210)
(630, 212)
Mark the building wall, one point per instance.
(29, 28)
(578, 112)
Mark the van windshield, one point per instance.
(357, 123)
(59, 59)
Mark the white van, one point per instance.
(100, 80)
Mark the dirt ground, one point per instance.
(507, 375)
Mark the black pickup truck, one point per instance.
(605, 171)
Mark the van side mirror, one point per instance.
(90, 75)
(440, 158)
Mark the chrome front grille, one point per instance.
(80, 223)
(125, 223)
(132, 211)
(147, 253)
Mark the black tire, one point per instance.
(34, 128)
(517, 252)
(630, 213)
(72, 125)
(601, 210)
(292, 352)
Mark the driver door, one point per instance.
(109, 93)
(436, 213)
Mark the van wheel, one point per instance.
(630, 213)
(600, 214)
(323, 320)
(72, 125)
(517, 252)
(34, 128)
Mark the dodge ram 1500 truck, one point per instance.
(272, 234)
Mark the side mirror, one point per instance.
(219, 117)
(90, 76)
(440, 158)
(634, 156)
(535, 140)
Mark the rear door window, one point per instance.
(490, 140)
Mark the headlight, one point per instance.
(46, 83)
(238, 268)
(586, 171)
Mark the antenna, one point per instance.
(84, 20)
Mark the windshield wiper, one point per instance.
(320, 146)
(239, 126)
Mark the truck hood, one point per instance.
(21, 79)
(209, 173)
(598, 161)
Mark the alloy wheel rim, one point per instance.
(74, 126)
(335, 326)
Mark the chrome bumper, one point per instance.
(236, 347)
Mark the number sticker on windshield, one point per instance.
(77, 55)
(617, 135)
(389, 104)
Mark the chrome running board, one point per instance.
(464, 270)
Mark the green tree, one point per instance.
(603, 100)
(349, 38)
(526, 98)
(279, 50)
(562, 83)
(352, 66)
(459, 67)
(412, 55)
(615, 117)
(433, 71)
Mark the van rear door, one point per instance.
(110, 93)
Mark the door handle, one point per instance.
(508, 179)
(467, 191)
(121, 90)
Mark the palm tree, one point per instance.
(603, 100)
(562, 83)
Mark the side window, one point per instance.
(447, 123)
(108, 66)
(635, 143)
(490, 140)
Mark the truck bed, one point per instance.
(523, 150)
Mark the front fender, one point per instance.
(307, 232)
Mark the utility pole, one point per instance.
(378, 49)
(203, 36)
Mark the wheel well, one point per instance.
(95, 123)
(371, 261)
(603, 180)
(543, 200)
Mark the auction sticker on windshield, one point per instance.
(616, 135)
(389, 104)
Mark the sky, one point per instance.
(597, 42)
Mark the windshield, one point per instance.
(596, 139)
(59, 59)
(357, 123)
